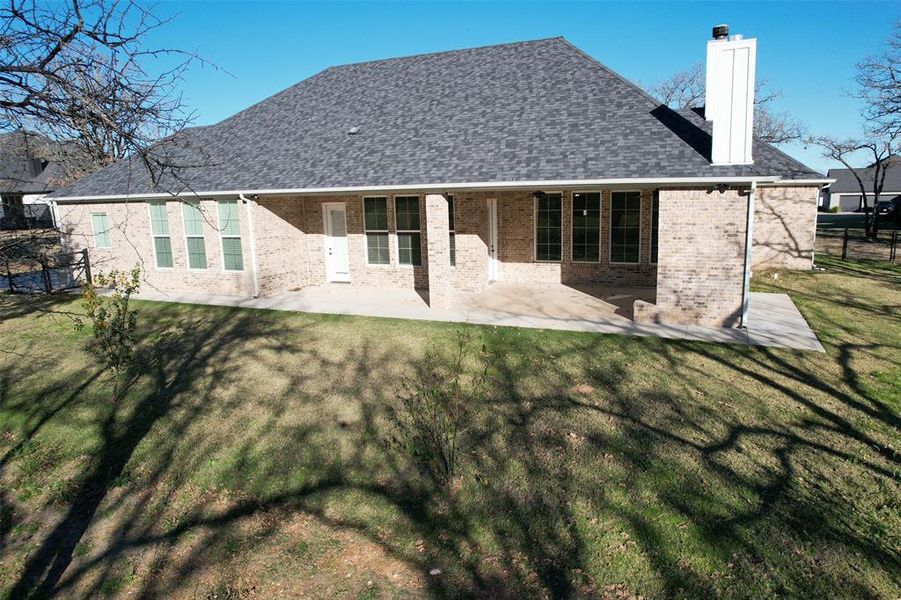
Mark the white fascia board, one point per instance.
(439, 187)
(785, 182)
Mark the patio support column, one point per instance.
(438, 250)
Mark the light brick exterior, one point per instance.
(698, 278)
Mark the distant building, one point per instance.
(845, 192)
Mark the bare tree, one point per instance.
(81, 70)
(686, 89)
(879, 86)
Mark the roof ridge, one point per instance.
(637, 88)
(437, 52)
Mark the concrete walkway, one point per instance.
(773, 320)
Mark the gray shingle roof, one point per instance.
(529, 111)
(846, 183)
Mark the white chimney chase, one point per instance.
(729, 102)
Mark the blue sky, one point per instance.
(805, 49)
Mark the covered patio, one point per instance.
(774, 319)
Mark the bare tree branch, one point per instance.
(879, 86)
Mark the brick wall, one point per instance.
(784, 227)
(701, 259)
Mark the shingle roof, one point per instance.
(529, 111)
(846, 183)
(33, 163)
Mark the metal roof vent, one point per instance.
(353, 131)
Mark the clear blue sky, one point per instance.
(805, 49)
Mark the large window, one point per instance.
(230, 233)
(159, 227)
(586, 226)
(655, 226)
(196, 245)
(452, 229)
(548, 223)
(101, 231)
(375, 223)
(625, 227)
(409, 236)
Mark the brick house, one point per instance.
(523, 163)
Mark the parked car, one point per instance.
(889, 209)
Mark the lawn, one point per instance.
(250, 458)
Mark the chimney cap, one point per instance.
(720, 32)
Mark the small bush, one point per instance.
(434, 410)
(834, 209)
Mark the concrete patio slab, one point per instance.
(773, 320)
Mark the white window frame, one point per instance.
(535, 230)
(366, 262)
(153, 236)
(222, 236)
(452, 230)
(202, 236)
(397, 231)
(600, 226)
(640, 229)
(94, 231)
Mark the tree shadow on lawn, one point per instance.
(584, 476)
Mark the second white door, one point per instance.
(337, 265)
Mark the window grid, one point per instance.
(194, 240)
(548, 227)
(375, 225)
(452, 229)
(159, 228)
(655, 225)
(625, 227)
(409, 234)
(101, 231)
(230, 236)
(586, 227)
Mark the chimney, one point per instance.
(729, 102)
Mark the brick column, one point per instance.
(438, 250)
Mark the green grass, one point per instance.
(249, 458)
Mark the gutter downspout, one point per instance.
(749, 242)
(248, 205)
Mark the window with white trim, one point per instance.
(159, 228)
(409, 233)
(452, 230)
(655, 227)
(548, 227)
(230, 235)
(375, 225)
(586, 226)
(101, 231)
(625, 227)
(194, 240)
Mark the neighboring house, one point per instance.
(31, 166)
(526, 163)
(844, 192)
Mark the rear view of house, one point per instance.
(525, 163)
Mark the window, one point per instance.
(548, 224)
(655, 224)
(625, 227)
(230, 233)
(101, 231)
(406, 220)
(586, 226)
(452, 228)
(375, 223)
(194, 235)
(159, 227)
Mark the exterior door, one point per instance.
(337, 265)
(493, 266)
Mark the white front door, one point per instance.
(493, 270)
(337, 266)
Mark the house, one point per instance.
(844, 192)
(31, 166)
(525, 163)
